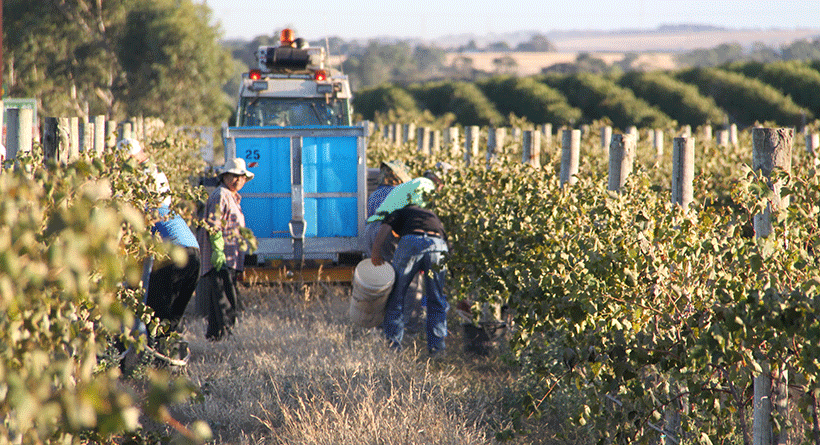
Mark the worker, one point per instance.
(421, 248)
(169, 285)
(391, 174)
(222, 253)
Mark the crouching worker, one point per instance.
(222, 253)
(421, 247)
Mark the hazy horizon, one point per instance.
(434, 20)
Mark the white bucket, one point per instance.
(371, 287)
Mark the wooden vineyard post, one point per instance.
(706, 133)
(495, 142)
(73, 138)
(621, 155)
(546, 135)
(683, 170)
(408, 133)
(56, 139)
(111, 134)
(733, 135)
(423, 140)
(531, 148)
(633, 131)
(19, 134)
(471, 135)
(570, 154)
(813, 143)
(657, 143)
(99, 134)
(771, 150)
(606, 137)
(451, 140)
(435, 141)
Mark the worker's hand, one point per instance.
(217, 251)
(376, 259)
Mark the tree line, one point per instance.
(165, 59)
(739, 93)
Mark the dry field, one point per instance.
(296, 372)
(655, 50)
(530, 63)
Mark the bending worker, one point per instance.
(421, 247)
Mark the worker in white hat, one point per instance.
(222, 255)
(169, 285)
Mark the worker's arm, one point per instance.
(381, 238)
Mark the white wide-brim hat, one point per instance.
(236, 166)
(130, 146)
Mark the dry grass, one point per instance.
(295, 371)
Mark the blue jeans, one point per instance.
(415, 253)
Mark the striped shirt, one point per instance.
(377, 197)
(223, 211)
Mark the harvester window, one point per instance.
(266, 111)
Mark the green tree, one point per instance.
(179, 69)
(537, 43)
(379, 63)
(724, 53)
(157, 58)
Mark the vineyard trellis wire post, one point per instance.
(706, 133)
(570, 154)
(451, 139)
(99, 134)
(722, 138)
(471, 135)
(683, 170)
(621, 154)
(683, 175)
(657, 144)
(812, 143)
(19, 133)
(423, 140)
(495, 142)
(531, 148)
(606, 137)
(408, 132)
(771, 149)
(435, 141)
(733, 135)
(633, 131)
(546, 135)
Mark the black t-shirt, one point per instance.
(406, 220)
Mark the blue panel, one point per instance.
(267, 217)
(340, 216)
(311, 217)
(269, 160)
(330, 165)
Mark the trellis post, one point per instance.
(771, 150)
(683, 170)
(570, 154)
(471, 135)
(531, 148)
(621, 155)
(19, 133)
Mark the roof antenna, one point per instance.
(327, 47)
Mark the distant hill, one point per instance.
(667, 38)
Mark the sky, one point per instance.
(432, 19)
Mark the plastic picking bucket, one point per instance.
(371, 287)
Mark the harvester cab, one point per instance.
(307, 203)
(293, 86)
